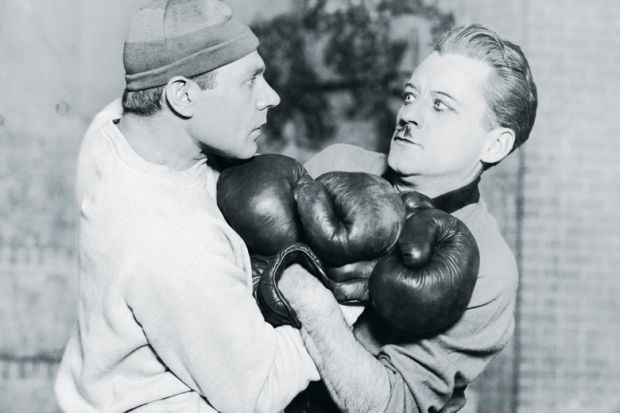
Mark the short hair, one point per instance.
(510, 92)
(147, 102)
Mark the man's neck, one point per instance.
(160, 140)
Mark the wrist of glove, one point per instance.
(259, 264)
(274, 305)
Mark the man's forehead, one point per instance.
(453, 74)
(248, 64)
(258, 66)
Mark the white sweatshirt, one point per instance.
(166, 320)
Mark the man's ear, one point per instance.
(499, 144)
(179, 96)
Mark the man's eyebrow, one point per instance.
(439, 92)
(256, 71)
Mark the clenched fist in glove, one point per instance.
(346, 218)
(349, 216)
(416, 264)
(426, 283)
(257, 200)
(351, 279)
(349, 219)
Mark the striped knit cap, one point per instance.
(182, 37)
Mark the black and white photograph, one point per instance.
(309, 206)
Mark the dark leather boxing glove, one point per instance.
(259, 264)
(273, 304)
(425, 285)
(350, 281)
(349, 216)
(413, 201)
(256, 198)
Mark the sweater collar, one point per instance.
(453, 200)
(459, 198)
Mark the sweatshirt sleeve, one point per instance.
(203, 323)
(426, 374)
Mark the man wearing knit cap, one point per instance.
(166, 319)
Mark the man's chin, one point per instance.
(402, 164)
(221, 159)
(248, 152)
(396, 159)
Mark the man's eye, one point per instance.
(252, 81)
(408, 97)
(440, 106)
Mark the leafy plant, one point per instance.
(318, 51)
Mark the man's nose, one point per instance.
(410, 115)
(269, 98)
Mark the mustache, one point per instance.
(403, 127)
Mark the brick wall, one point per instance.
(39, 286)
(570, 329)
(41, 120)
(569, 324)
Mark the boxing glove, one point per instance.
(413, 201)
(257, 199)
(426, 283)
(349, 216)
(350, 281)
(259, 264)
(273, 304)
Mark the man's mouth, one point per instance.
(257, 131)
(406, 138)
(403, 133)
